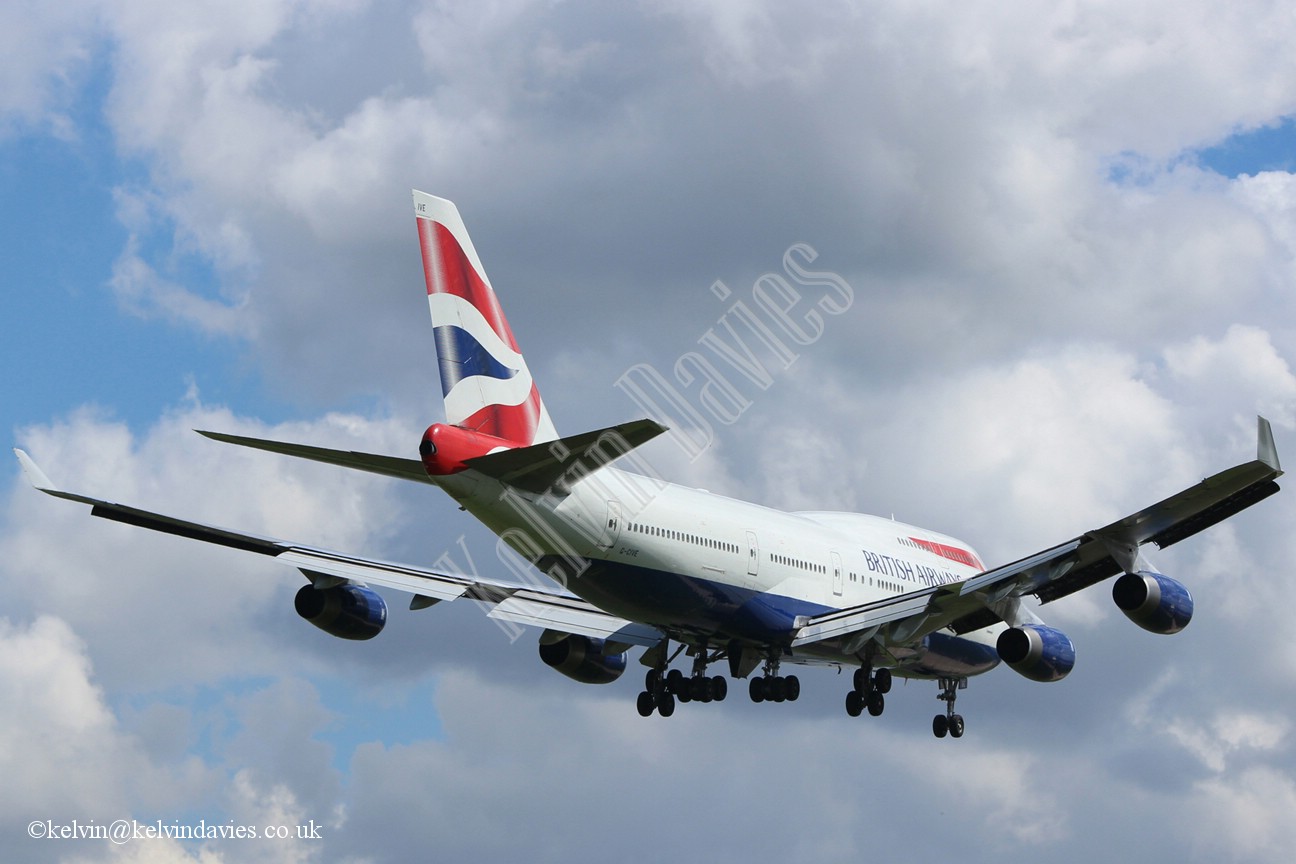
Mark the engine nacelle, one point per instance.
(1039, 653)
(346, 611)
(1154, 602)
(582, 658)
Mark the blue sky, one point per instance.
(207, 225)
(64, 329)
(1269, 148)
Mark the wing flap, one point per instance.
(572, 615)
(414, 580)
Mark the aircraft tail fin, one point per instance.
(484, 379)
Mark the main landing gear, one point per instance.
(773, 687)
(663, 688)
(869, 692)
(949, 723)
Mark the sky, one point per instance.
(1068, 234)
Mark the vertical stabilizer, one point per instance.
(484, 378)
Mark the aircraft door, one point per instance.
(837, 574)
(611, 526)
(753, 554)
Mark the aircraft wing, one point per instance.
(533, 605)
(992, 596)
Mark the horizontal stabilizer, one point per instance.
(388, 466)
(542, 467)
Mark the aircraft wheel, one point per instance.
(792, 687)
(940, 725)
(646, 703)
(854, 703)
(666, 706)
(861, 680)
(702, 689)
(876, 703)
(882, 681)
(652, 678)
(956, 726)
(676, 681)
(756, 689)
(719, 688)
(777, 689)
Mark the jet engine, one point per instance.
(581, 658)
(346, 611)
(1039, 653)
(1154, 602)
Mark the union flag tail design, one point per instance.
(486, 383)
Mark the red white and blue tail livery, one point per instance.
(484, 378)
(692, 578)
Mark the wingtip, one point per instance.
(1266, 450)
(34, 474)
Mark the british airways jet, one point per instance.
(635, 562)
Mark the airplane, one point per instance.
(635, 562)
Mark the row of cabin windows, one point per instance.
(819, 568)
(796, 562)
(684, 537)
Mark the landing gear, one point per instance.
(869, 691)
(655, 696)
(773, 687)
(949, 723)
(663, 688)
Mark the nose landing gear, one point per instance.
(949, 723)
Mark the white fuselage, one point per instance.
(695, 563)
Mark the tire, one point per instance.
(876, 703)
(675, 681)
(756, 689)
(666, 707)
(882, 681)
(854, 703)
(940, 725)
(792, 687)
(956, 726)
(861, 681)
(777, 689)
(719, 688)
(645, 704)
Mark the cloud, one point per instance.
(44, 55)
(1039, 342)
(57, 733)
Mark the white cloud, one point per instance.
(56, 733)
(172, 593)
(1034, 349)
(1245, 818)
(44, 54)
